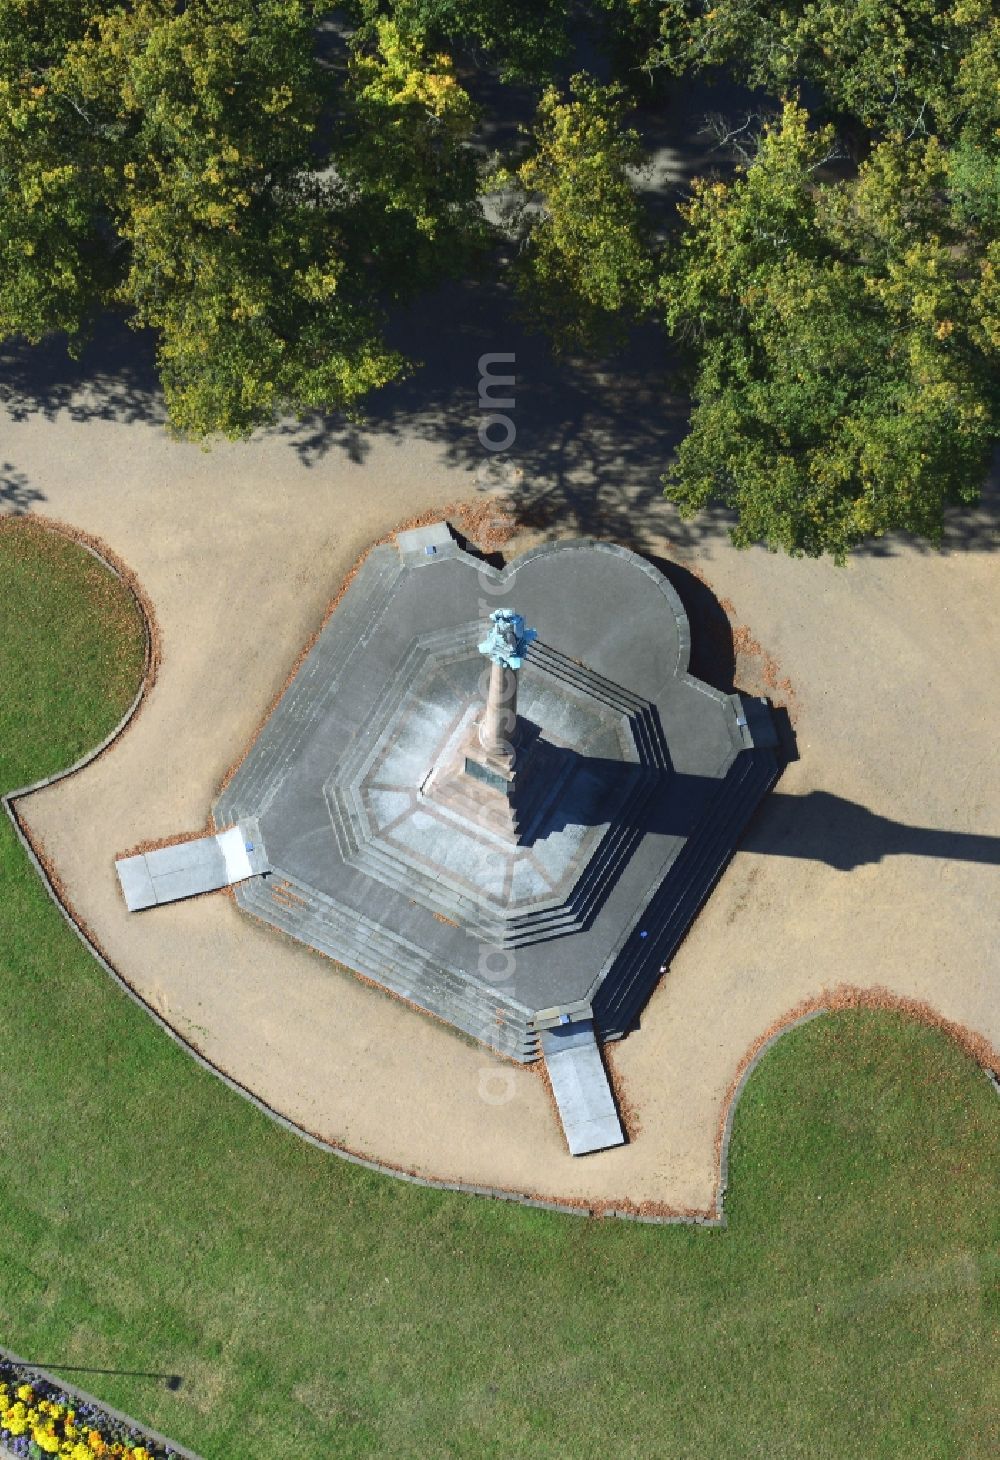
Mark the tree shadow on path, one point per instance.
(17, 495)
(592, 439)
(113, 380)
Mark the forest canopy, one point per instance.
(261, 204)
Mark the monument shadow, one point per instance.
(815, 827)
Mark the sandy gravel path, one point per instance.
(874, 864)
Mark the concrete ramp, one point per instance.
(188, 868)
(579, 1082)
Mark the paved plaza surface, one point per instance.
(873, 863)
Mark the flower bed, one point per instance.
(37, 1418)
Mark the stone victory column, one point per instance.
(491, 755)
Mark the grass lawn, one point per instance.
(150, 1220)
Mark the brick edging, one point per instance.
(29, 1369)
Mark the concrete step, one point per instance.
(712, 832)
(437, 649)
(476, 915)
(581, 1089)
(571, 672)
(352, 624)
(667, 918)
(189, 868)
(422, 985)
(643, 721)
(403, 968)
(686, 883)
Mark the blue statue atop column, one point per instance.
(507, 641)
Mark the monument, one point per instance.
(492, 759)
(509, 828)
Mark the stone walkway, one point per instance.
(874, 863)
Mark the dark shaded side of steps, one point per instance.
(676, 901)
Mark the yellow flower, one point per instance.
(16, 1419)
(46, 1439)
(26, 1393)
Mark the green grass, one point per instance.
(72, 648)
(151, 1220)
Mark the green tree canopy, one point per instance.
(527, 42)
(197, 164)
(164, 156)
(841, 336)
(401, 150)
(585, 270)
(898, 65)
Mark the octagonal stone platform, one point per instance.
(404, 810)
(637, 780)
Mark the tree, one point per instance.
(235, 247)
(526, 42)
(898, 65)
(192, 162)
(841, 336)
(401, 150)
(53, 261)
(164, 156)
(584, 272)
(914, 68)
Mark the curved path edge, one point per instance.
(843, 997)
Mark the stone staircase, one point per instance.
(397, 964)
(345, 635)
(563, 914)
(676, 901)
(484, 1013)
(455, 993)
(573, 907)
(643, 720)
